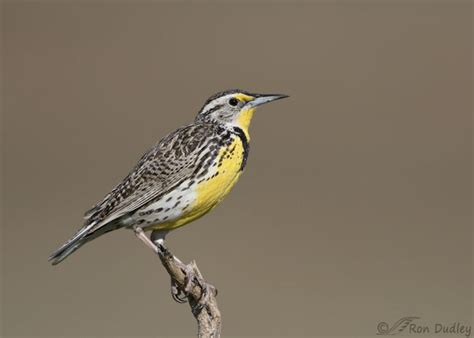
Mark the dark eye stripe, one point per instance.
(213, 109)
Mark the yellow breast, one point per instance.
(220, 180)
(213, 187)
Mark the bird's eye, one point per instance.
(233, 102)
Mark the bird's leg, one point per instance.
(158, 238)
(143, 237)
(179, 293)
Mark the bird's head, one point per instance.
(234, 107)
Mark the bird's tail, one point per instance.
(78, 240)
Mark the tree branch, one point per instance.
(200, 295)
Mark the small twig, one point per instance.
(201, 297)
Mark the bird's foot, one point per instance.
(180, 293)
(177, 293)
(192, 278)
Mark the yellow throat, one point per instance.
(243, 120)
(245, 115)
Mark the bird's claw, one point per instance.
(206, 288)
(178, 295)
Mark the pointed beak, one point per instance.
(264, 98)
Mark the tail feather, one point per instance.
(83, 236)
(62, 253)
(69, 247)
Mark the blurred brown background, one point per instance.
(356, 204)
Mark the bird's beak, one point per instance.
(260, 99)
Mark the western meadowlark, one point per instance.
(181, 178)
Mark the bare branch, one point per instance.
(200, 295)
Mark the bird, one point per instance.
(180, 179)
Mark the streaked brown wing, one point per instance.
(166, 165)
